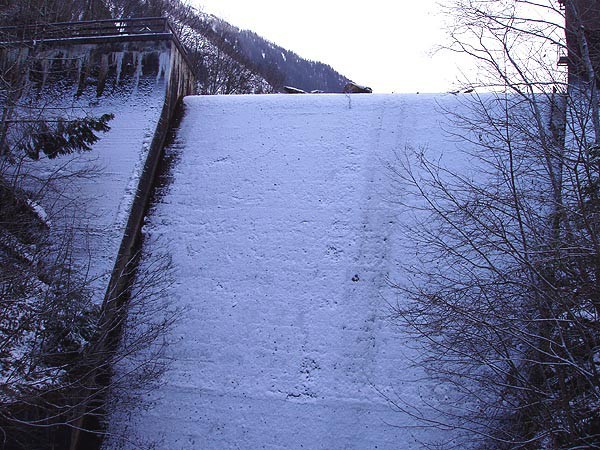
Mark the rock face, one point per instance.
(353, 88)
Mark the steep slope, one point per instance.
(283, 225)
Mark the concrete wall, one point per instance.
(180, 82)
(96, 70)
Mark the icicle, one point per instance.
(88, 54)
(45, 64)
(102, 75)
(118, 56)
(83, 63)
(163, 66)
(70, 61)
(63, 62)
(79, 58)
(138, 70)
(104, 64)
(22, 59)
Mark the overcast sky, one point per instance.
(384, 44)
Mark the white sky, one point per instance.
(384, 44)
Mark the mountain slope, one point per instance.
(276, 64)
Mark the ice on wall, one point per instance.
(67, 62)
(164, 61)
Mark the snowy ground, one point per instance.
(282, 224)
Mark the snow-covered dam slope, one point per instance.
(282, 222)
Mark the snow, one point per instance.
(83, 200)
(283, 225)
(40, 213)
(96, 205)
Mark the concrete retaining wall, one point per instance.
(104, 65)
(91, 71)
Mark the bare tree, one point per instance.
(505, 292)
(55, 374)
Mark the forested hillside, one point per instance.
(276, 64)
(221, 49)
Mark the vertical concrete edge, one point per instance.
(87, 422)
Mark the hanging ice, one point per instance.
(118, 56)
(163, 66)
(138, 56)
(45, 64)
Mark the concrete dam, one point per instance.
(284, 225)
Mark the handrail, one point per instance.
(85, 29)
(89, 28)
(87, 22)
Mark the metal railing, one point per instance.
(122, 29)
(87, 29)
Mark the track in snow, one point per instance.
(282, 227)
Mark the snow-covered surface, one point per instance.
(98, 203)
(283, 224)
